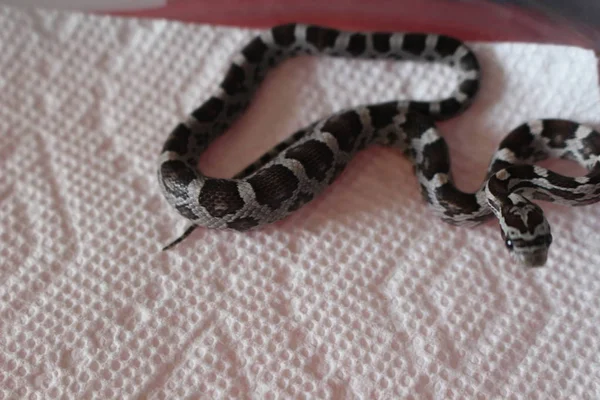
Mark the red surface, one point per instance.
(468, 20)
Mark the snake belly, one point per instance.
(299, 168)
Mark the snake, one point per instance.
(299, 168)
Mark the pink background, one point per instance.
(481, 21)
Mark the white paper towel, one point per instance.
(361, 294)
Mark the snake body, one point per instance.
(299, 168)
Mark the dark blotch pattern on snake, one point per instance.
(298, 169)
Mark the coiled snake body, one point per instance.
(298, 169)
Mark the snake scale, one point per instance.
(299, 168)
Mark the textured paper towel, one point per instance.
(361, 294)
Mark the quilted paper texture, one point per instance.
(361, 294)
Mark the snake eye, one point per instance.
(509, 244)
(548, 239)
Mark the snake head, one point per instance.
(525, 231)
